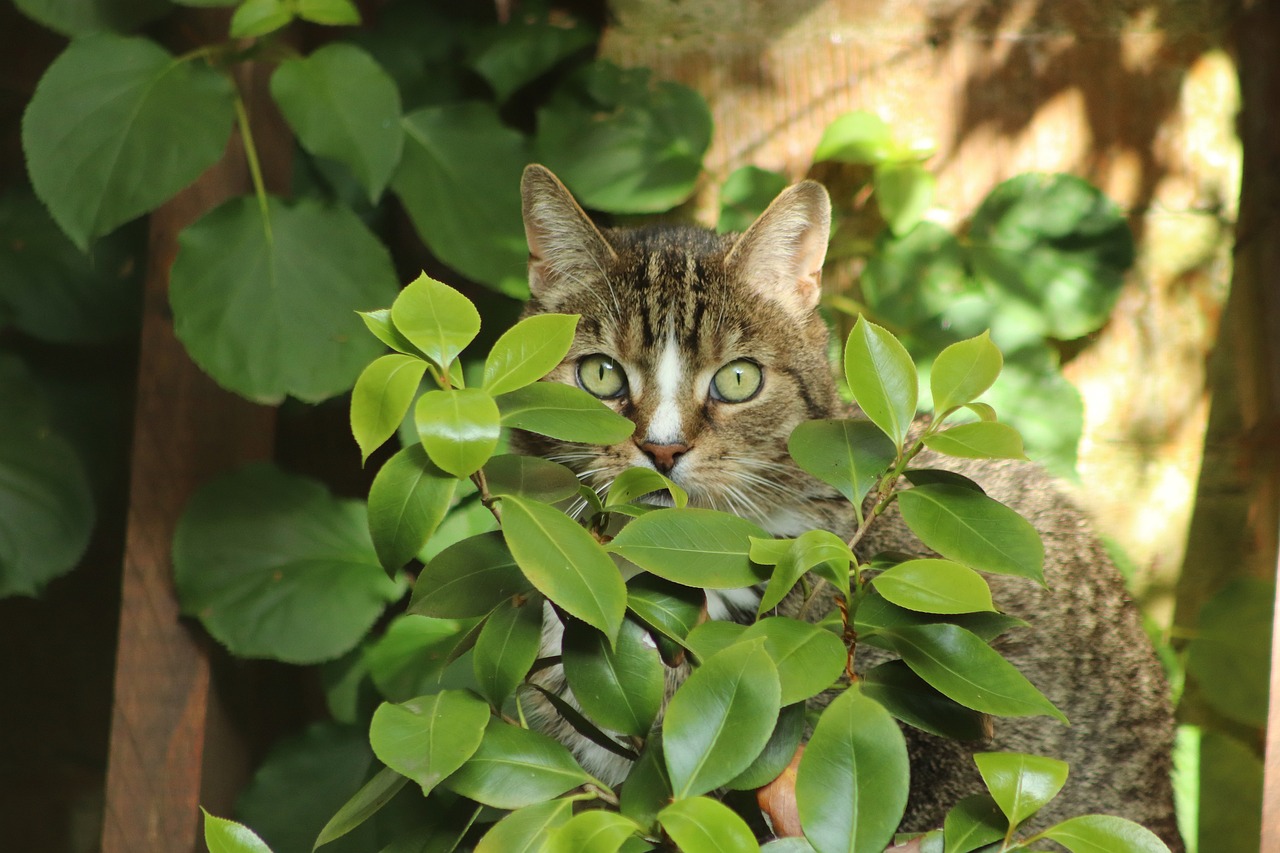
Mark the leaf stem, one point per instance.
(255, 168)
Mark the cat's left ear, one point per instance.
(780, 256)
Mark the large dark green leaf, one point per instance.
(882, 377)
(720, 719)
(506, 648)
(695, 547)
(469, 578)
(518, 52)
(410, 656)
(777, 753)
(407, 500)
(851, 785)
(744, 196)
(850, 455)
(429, 737)
(116, 127)
(459, 180)
(621, 688)
(647, 790)
(910, 280)
(266, 306)
(910, 698)
(274, 566)
(364, 804)
(1230, 653)
(82, 17)
(971, 528)
(515, 767)
(1021, 784)
(704, 825)
(564, 412)
(343, 106)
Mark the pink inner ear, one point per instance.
(782, 253)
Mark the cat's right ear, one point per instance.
(565, 247)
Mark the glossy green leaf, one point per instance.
(516, 767)
(116, 127)
(257, 18)
(777, 752)
(704, 825)
(770, 552)
(973, 529)
(850, 455)
(974, 822)
(1021, 784)
(458, 428)
(410, 656)
(647, 790)
(274, 566)
(366, 802)
(851, 785)
(515, 54)
(712, 637)
(407, 500)
(469, 578)
(1097, 833)
(565, 563)
(720, 719)
(428, 738)
(670, 608)
(962, 666)
(963, 371)
(528, 351)
(83, 17)
(858, 137)
(623, 142)
(227, 836)
(506, 649)
(529, 477)
(331, 13)
(637, 482)
(1230, 653)
(935, 586)
(808, 658)
(564, 412)
(266, 306)
(809, 552)
(745, 194)
(526, 830)
(904, 194)
(981, 440)
(787, 845)
(459, 178)
(594, 831)
(381, 397)
(913, 701)
(695, 547)
(875, 615)
(882, 377)
(435, 318)
(621, 688)
(379, 323)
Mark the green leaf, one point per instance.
(851, 785)
(882, 377)
(810, 551)
(858, 137)
(958, 663)
(777, 753)
(381, 397)
(964, 370)
(934, 586)
(973, 529)
(875, 615)
(515, 767)
(981, 440)
(459, 178)
(255, 18)
(343, 106)
(910, 280)
(704, 825)
(904, 194)
(1021, 784)
(809, 659)
(637, 482)
(83, 17)
(1232, 642)
(593, 831)
(116, 127)
(745, 194)
(647, 790)
(428, 738)
(410, 657)
(469, 578)
(366, 802)
(459, 428)
(379, 324)
(621, 688)
(227, 836)
(507, 647)
(526, 830)
(720, 719)
(407, 500)
(623, 143)
(332, 13)
(696, 547)
(517, 53)
(564, 412)
(1097, 833)
(529, 477)
(911, 699)
(670, 608)
(712, 637)
(850, 455)
(565, 563)
(974, 822)
(274, 566)
(266, 305)
(435, 318)
(528, 351)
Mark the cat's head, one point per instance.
(709, 343)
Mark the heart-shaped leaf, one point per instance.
(428, 738)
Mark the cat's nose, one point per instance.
(664, 456)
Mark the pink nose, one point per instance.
(664, 456)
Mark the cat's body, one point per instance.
(723, 355)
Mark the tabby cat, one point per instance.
(711, 345)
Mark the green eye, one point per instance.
(602, 376)
(737, 382)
